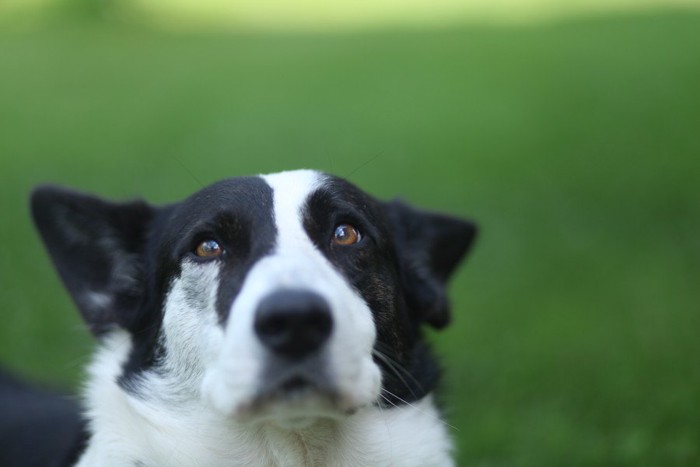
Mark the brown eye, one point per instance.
(346, 235)
(208, 249)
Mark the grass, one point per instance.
(575, 145)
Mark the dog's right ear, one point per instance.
(97, 248)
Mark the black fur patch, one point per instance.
(379, 268)
(238, 214)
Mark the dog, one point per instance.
(274, 320)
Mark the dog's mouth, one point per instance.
(296, 384)
(296, 390)
(296, 398)
(291, 394)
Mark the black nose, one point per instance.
(293, 323)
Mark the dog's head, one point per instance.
(285, 296)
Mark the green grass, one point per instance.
(575, 145)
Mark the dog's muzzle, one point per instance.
(294, 327)
(295, 355)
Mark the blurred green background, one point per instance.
(571, 135)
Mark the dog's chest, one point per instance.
(402, 437)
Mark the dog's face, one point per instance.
(289, 297)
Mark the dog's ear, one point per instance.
(429, 248)
(97, 248)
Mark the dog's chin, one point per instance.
(297, 409)
(291, 395)
(296, 403)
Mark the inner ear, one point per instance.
(97, 249)
(430, 247)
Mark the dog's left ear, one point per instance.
(97, 247)
(430, 247)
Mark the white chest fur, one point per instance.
(131, 432)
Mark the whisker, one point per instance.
(365, 164)
(387, 361)
(399, 366)
(189, 172)
(418, 409)
(396, 368)
(388, 401)
(386, 422)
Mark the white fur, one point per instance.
(127, 430)
(98, 300)
(193, 411)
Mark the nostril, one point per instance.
(271, 325)
(293, 323)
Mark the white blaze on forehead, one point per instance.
(296, 262)
(291, 190)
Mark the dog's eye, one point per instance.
(346, 235)
(208, 249)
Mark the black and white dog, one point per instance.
(264, 321)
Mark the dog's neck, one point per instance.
(127, 431)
